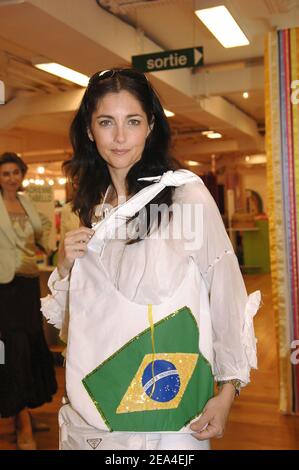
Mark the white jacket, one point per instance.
(8, 252)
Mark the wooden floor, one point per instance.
(255, 421)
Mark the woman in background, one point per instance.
(158, 307)
(27, 377)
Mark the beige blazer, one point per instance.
(8, 239)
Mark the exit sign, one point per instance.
(177, 59)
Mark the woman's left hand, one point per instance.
(215, 415)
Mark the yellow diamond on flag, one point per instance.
(159, 383)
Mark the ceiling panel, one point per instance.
(27, 31)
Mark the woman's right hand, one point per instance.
(74, 246)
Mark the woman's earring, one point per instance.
(150, 128)
(90, 135)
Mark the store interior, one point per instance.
(217, 110)
(218, 131)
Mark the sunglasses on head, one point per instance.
(106, 74)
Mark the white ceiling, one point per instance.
(82, 35)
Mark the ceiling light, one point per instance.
(50, 182)
(168, 113)
(61, 181)
(214, 135)
(223, 26)
(256, 159)
(10, 2)
(245, 95)
(207, 132)
(41, 170)
(192, 163)
(62, 72)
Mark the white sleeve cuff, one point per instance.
(248, 336)
(248, 343)
(54, 306)
(52, 311)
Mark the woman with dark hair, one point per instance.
(157, 306)
(27, 378)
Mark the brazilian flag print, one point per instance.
(141, 391)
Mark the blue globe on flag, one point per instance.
(162, 385)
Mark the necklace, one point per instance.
(100, 212)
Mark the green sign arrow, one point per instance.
(176, 59)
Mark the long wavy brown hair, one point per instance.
(89, 169)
